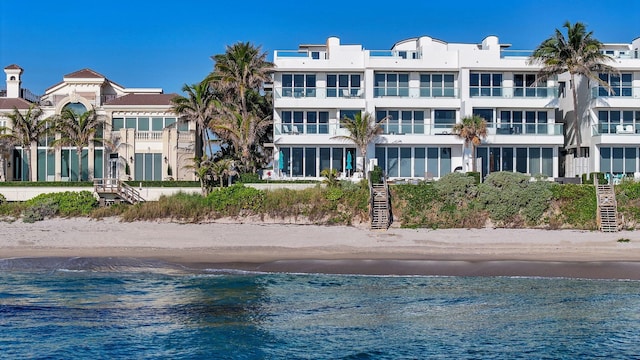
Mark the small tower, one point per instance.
(13, 80)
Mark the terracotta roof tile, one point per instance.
(13, 66)
(84, 73)
(143, 99)
(10, 103)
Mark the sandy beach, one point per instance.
(334, 249)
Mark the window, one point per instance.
(619, 160)
(307, 122)
(401, 121)
(437, 85)
(522, 122)
(343, 85)
(310, 161)
(527, 85)
(351, 114)
(410, 162)
(532, 161)
(485, 84)
(621, 85)
(618, 121)
(298, 85)
(444, 118)
(391, 84)
(148, 166)
(486, 114)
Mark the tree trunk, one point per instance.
(79, 152)
(576, 123)
(26, 151)
(473, 157)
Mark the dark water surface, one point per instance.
(131, 309)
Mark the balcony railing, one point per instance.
(397, 54)
(615, 129)
(419, 129)
(411, 92)
(148, 135)
(525, 129)
(618, 92)
(315, 55)
(513, 92)
(516, 53)
(318, 92)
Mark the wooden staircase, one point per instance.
(113, 191)
(607, 207)
(380, 212)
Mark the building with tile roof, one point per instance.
(144, 139)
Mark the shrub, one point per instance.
(68, 203)
(3, 199)
(376, 175)
(475, 175)
(230, 201)
(457, 188)
(577, 205)
(45, 207)
(249, 178)
(510, 197)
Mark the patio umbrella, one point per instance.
(349, 160)
(281, 162)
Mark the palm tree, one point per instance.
(26, 129)
(579, 55)
(78, 130)
(363, 129)
(244, 114)
(472, 129)
(202, 168)
(197, 106)
(223, 168)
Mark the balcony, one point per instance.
(615, 129)
(149, 135)
(418, 129)
(514, 92)
(525, 129)
(318, 93)
(414, 92)
(624, 92)
(396, 54)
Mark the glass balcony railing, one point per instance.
(318, 92)
(422, 92)
(513, 92)
(615, 129)
(516, 53)
(525, 129)
(397, 54)
(617, 92)
(419, 129)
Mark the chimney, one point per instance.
(13, 80)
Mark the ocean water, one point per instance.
(131, 309)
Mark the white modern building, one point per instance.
(145, 140)
(423, 86)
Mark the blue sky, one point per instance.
(167, 44)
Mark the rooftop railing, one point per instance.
(398, 54)
(516, 53)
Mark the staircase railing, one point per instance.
(119, 188)
(607, 212)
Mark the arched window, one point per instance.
(77, 108)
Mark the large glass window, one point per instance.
(621, 84)
(401, 121)
(344, 85)
(618, 121)
(298, 85)
(310, 161)
(522, 122)
(148, 166)
(533, 160)
(307, 122)
(527, 85)
(486, 114)
(485, 84)
(410, 162)
(444, 118)
(437, 85)
(391, 84)
(619, 160)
